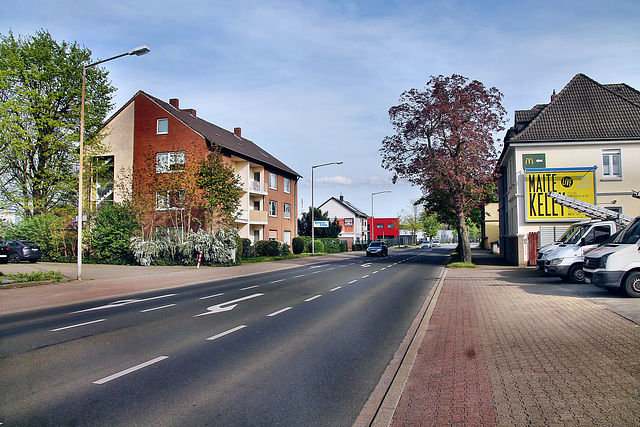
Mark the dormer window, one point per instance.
(163, 126)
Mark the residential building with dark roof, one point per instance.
(584, 143)
(153, 144)
(352, 220)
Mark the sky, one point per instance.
(311, 82)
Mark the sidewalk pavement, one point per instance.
(507, 346)
(497, 346)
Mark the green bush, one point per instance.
(54, 232)
(268, 248)
(298, 245)
(331, 245)
(319, 246)
(344, 247)
(112, 227)
(248, 250)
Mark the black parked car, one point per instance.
(22, 250)
(4, 253)
(377, 248)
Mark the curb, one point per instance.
(382, 404)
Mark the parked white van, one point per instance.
(544, 251)
(566, 260)
(616, 265)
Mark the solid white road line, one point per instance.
(279, 311)
(230, 331)
(130, 370)
(75, 326)
(157, 308)
(211, 296)
(312, 298)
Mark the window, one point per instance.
(287, 185)
(169, 200)
(163, 126)
(287, 210)
(172, 161)
(392, 225)
(273, 181)
(379, 225)
(287, 237)
(273, 208)
(611, 163)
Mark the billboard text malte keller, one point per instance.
(578, 184)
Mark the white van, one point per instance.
(566, 260)
(616, 265)
(577, 229)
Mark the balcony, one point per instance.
(258, 187)
(258, 217)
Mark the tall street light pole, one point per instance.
(313, 228)
(139, 51)
(372, 217)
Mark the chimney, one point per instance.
(190, 111)
(553, 95)
(175, 102)
(341, 197)
(237, 132)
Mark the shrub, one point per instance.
(344, 247)
(219, 247)
(331, 245)
(268, 248)
(110, 233)
(145, 252)
(319, 246)
(298, 245)
(248, 250)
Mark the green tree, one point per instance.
(220, 184)
(40, 97)
(411, 220)
(304, 224)
(430, 224)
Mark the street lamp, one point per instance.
(372, 217)
(139, 51)
(313, 228)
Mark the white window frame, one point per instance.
(287, 185)
(287, 211)
(170, 161)
(273, 208)
(608, 155)
(164, 200)
(164, 129)
(273, 181)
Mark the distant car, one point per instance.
(435, 242)
(22, 250)
(377, 249)
(425, 244)
(4, 253)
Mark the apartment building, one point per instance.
(154, 145)
(352, 220)
(585, 144)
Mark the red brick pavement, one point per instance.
(505, 346)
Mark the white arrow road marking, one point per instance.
(230, 331)
(123, 302)
(226, 306)
(365, 265)
(130, 370)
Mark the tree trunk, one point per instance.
(464, 247)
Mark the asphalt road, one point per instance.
(303, 346)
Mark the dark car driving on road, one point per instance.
(377, 248)
(22, 250)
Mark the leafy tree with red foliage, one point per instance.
(444, 143)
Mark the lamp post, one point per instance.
(313, 228)
(139, 51)
(372, 217)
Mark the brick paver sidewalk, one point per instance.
(505, 348)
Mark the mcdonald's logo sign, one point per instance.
(534, 161)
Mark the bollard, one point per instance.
(199, 259)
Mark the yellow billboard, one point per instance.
(576, 183)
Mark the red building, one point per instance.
(153, 145)
(384, 228)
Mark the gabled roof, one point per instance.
(213, 134)
(584, 110)
(347, 206)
